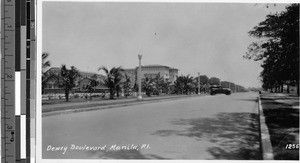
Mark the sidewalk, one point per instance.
(281, 114)
(70, 107)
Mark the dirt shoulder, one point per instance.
(281, 113)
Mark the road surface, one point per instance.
(206, 127)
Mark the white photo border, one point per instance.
(38, 114)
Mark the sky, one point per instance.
(210, 38)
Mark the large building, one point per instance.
(81, 83)
(168, 73)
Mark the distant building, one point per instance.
(168, 73)
(81, 82)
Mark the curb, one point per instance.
(60, 112)
(267, 149)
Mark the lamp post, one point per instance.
(199, 83)
(139, 78)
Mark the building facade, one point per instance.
(168, 73)
(81, 82)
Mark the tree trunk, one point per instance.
(118, 91)
(281, 88)
(67, 95)
(288, 88)
(298, 87)
(148, 93)
(111, 94)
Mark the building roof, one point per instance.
(152, 65)
(129, 69)
(57, 70)
(158, 65)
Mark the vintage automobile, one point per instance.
(215, 89)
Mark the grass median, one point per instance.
(281, 112)
(60, 105)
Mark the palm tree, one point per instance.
(188, 84)
(178, 85)
(45, 63)
(45, 75)
(148, 85)
(184, 84)
(126, 85)
(158, 84)
(113, 79)
(91, 87)
(166, 87)
(67, 79)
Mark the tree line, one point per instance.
(116, 81)
(277, 48)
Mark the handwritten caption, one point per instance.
(106, 148)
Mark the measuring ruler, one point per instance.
(8, 37)
(17, 72)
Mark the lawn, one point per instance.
(282, 119)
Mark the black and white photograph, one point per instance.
(169, 80)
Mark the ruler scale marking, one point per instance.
(17, 61)
(8, 126)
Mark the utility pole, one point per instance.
(199, 83)
(140, 78)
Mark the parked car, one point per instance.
(215, 89)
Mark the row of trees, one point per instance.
(278, 49)
(117, 81)
(184, 84)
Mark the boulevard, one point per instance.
(205, 127)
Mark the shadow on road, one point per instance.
(235, 135)
(123, 154)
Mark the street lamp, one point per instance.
(139, 78)
(199, 83)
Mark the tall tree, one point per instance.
(178, 85)
(184, 84)
(204, 80)
(166, 86)
(214, 81)
(91, 87)
(67, 79)
(126, 85)
(113, 79)
(278, 48)
(45, 75)
(148, 85)
(158, 84)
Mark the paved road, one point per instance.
(207, 127)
